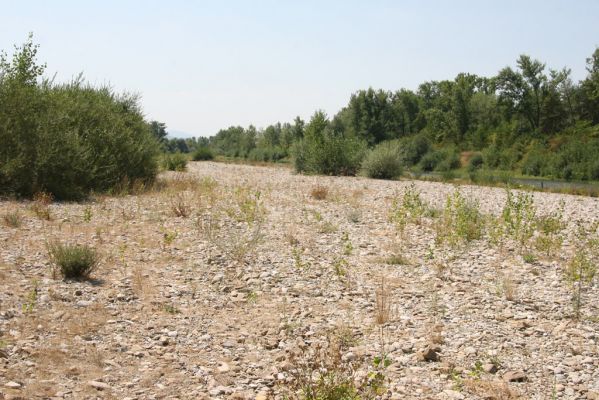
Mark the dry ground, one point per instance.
(214, 304)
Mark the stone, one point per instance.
(12, 385)
(489, 368)
(429, 353)
(515, 376)
(99, 385)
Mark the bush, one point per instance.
(330, 155)
(383, 162)
(74, 261)
(475, 163)
(68, 139)
(412, 149)
(267, 154)
(440, 160)
(174, 161)
(203, 153)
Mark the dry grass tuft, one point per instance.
(319, 192)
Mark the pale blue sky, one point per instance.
(201, 66)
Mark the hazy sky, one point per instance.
(201, 66)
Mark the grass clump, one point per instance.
(319, 192)
(174, 162)
(73, 261)
(12, 219)
(383, 162)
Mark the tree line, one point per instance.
(529, 119)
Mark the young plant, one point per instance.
(550, 229)
(519, 217)
(87, 214)
(461, 221)
(582, 268)
(409, 210)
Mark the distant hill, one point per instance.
(180, 134)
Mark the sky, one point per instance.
(201, 66)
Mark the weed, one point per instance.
(409, 210)
(31, 301)
(168, 237)
(327, 227)
(41, 205)
(529, 258)
(319, 192)
(347, 245)
(396, 259)
(171, 309)
(74, 261)
(87, 214)
(460, 222)
(251, 297)
(341, 266)
(12, 219)
(518, 217)
(180, 205)
(507, 287)
(297, 258)
(582, 268)
(550, 237)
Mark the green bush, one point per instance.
(442, 160)
(203, 153)
(267, 154)
(475, 163)
(331, 155)
(68, 139)
(72, 260)
(414, 148)
(174, 161)
(383, 162)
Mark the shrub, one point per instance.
(382, 162)
(74, 261)
(413, 148)
(174, 162)
(475, 163)
(329, 154)
(440, 160)
(67, 139)
(203, 153)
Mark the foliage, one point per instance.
(174, 161)
(461, 221)
(582, 267)
(73, 261)
(383, 162)
(410, 209)
(67, 139)
(202, 153)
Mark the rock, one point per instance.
(429, 353)
(99, 385)
(515, 376)
(12, 385)
(223, 368)
(453, 395)
(490, 368)
(261, 396)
